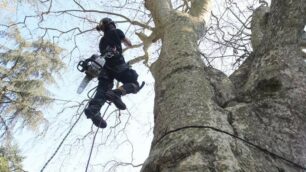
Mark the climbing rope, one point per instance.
(65, 137)
(234, 136)
(68, 133)
(94, 138)
(61, 143)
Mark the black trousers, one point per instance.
(121, 73)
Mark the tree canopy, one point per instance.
(10, 159)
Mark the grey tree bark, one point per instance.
(206, 121)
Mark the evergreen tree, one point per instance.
(10, 159)
(25, 69)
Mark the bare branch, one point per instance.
(133, 46)
(105, 12)
(258, 23)
(201, 8)
(147, 42)
(79, 5)
(137, 59)
(160, 10)
(238, 18)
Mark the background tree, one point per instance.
(26, 68)
(10, 159)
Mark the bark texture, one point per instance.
(199, 112)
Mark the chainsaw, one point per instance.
(91, 67)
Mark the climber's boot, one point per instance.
(115, 97)
(96, 118)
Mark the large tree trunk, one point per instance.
(199, 112)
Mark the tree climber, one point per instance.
(115, 68)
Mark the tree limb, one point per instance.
(201, 9)
(105, 12)
(147, 42)
(160, 10)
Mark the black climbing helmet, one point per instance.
(105, 23)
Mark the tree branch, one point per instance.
(147, 42)
(133, 22)
(201, 8)
(160, 10)
(137, 59)
(79, 5)
(258, 25)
